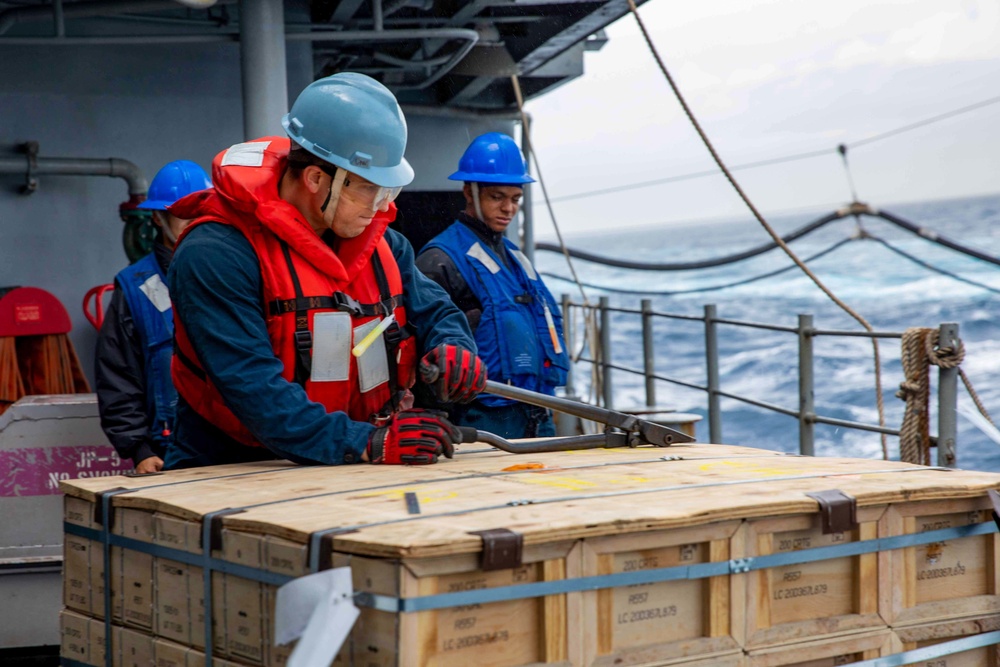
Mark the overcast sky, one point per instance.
(766, 79)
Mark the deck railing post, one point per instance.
(807, 406)
(947, 455)
(606, 352)
(569, 340)
(712, 371)
(648, 351)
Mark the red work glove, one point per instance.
(414, 437)
(456, 373)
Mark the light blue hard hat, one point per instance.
(354, 122)
(492, 158)
(175, 180)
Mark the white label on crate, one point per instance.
(319, 611)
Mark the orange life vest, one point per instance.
(302, 278)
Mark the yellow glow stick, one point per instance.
(367, 341)
(552, 331)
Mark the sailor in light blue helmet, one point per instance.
(135, 396)
(367, 139)
(517, 326)
(296, 303)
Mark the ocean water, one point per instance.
(891, 292)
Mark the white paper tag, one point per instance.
(250, 154)
(156, 292)
(318, 610)
(373, 365)
(331, 359)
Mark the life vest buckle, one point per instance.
(303, 340)
(347, 304)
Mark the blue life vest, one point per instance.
(513, 335)
(144, 286)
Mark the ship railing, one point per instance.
(601, 362)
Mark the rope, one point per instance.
(920, 349)
(974, 396)
(760, 218)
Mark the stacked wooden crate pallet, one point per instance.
(695, 555)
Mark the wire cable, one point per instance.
(760, 218)
(856, 209)
(770, 274)
(928, 266)
(697, 264)
(787, 158)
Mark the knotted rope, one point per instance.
(920, 349)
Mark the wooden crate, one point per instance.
(941, 580)
(83, 642)
(929, 634)
(578, 513)
(648, 623)
(843, 649)
(516, 632)
(807, 600)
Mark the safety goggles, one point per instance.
(364, 192)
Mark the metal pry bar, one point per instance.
(569, 444)
(638, 429)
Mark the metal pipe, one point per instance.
(125, 40)
(608, 392)
(947, 455)
(712, 372)
(59, 18)
(262, 65)
(807, 407)
(648, 351)
(377, 15)
(470, 37)
(64, 166)
(526, 212)
(15, 15)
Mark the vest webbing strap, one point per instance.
(337, 301)
(393, 337)
(303, 337)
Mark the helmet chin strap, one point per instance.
(329, 207)
(475, 201)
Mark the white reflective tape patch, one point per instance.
(373, 364)
(250, 154)
(478, 252)
(331, 360)
(156, 292)
(525, 264)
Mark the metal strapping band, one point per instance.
(699, 571)
(931, 652)
(105, 538)
(186, 557)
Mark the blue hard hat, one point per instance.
(175, 180)
(354, 122)
(492, 158)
